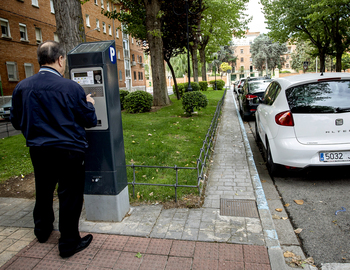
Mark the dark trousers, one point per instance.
(54, 166)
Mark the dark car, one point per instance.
(5, 110)
(249, 96)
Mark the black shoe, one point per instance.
(84, 243)
(42, 238)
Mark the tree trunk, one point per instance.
(154, 36)
(174, 77)
(322, 59)
(204, 64)
(69, 24)
(194, 49)
(338, 56)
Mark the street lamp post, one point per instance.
(187, 11)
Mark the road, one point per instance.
(325, 236)
(6, 129)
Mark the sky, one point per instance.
(257, 24)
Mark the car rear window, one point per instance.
(258, 86)
(321, 97)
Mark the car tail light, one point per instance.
(284, 119)
(251, 97)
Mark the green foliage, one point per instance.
(193, 100)
(123, 94)
(219, 84)
(285, 71)
(138, 102)
(203, 85)
(195, 86)
(181, 88)
(345, 61)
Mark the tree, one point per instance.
(69, 24)
(345, 61)
(289, 21)
(267, 54)
(220, 20)
(303, 52)
(143, 19)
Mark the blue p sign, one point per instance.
(112, 55)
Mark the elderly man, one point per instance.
(52, 112)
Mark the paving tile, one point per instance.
(255, 254)
(127, 260)
(137, 244)
(116, 242)
(106, 258)
(54, 254)
(84, 257)
(22, 263)
(98, 239)
(231, 265)
(153, 262)
(159, 246)
(49, 265)
(176, 263)
(257, 266)
(230, 252)
(38, 250)
(182, 249)
(207, 250)
(205, 264)
(73, 266)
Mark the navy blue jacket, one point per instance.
(52, 111)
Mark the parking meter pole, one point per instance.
(93, 66)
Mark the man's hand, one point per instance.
(90, 99)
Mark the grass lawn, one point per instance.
(166, 137)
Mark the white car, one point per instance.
(304, 120)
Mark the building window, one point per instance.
(104, 27)
(96, 3)
(28, 69)
(12, 71)
(140, 59)
(5, 28)
(251, 68)
(98, 24)
(52, 7)
(133, 57)
(251, 59)
(55, 37)
(120, 75)
(140, 76)
(118, 54)
(102, 4)
(23, 32)
(287, 65)
(87, 20)
(107, 6)
(117, 33)
(109, 30)
(241, 50)
(35, 3)
(135, 77)
(38, 35)
(242, 59)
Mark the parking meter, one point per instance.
(93, 66)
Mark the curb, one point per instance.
(272, 243)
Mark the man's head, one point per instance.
(51, 53)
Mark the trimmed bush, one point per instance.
(138, 102)
(194, 85)
(123, 94)
(193, 100)
(220, 84)
(203, 85)
(180, 87)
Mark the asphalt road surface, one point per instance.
(325, 235)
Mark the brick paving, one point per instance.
(131, 252)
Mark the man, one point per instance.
(51, 112)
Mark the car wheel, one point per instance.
(271, 166)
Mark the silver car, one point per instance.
(5, 110)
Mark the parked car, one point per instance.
(5, 110)
(239, 85)
(249, 95)
(304, 121)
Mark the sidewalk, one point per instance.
(233, 229)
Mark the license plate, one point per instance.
(335, 156)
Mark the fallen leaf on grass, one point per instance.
(299, 202)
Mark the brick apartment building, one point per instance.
(26, 23)
(244, 64)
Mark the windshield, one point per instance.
(258, 86)
(321, 97)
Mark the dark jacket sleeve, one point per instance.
(85, 111)
(16, 109)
